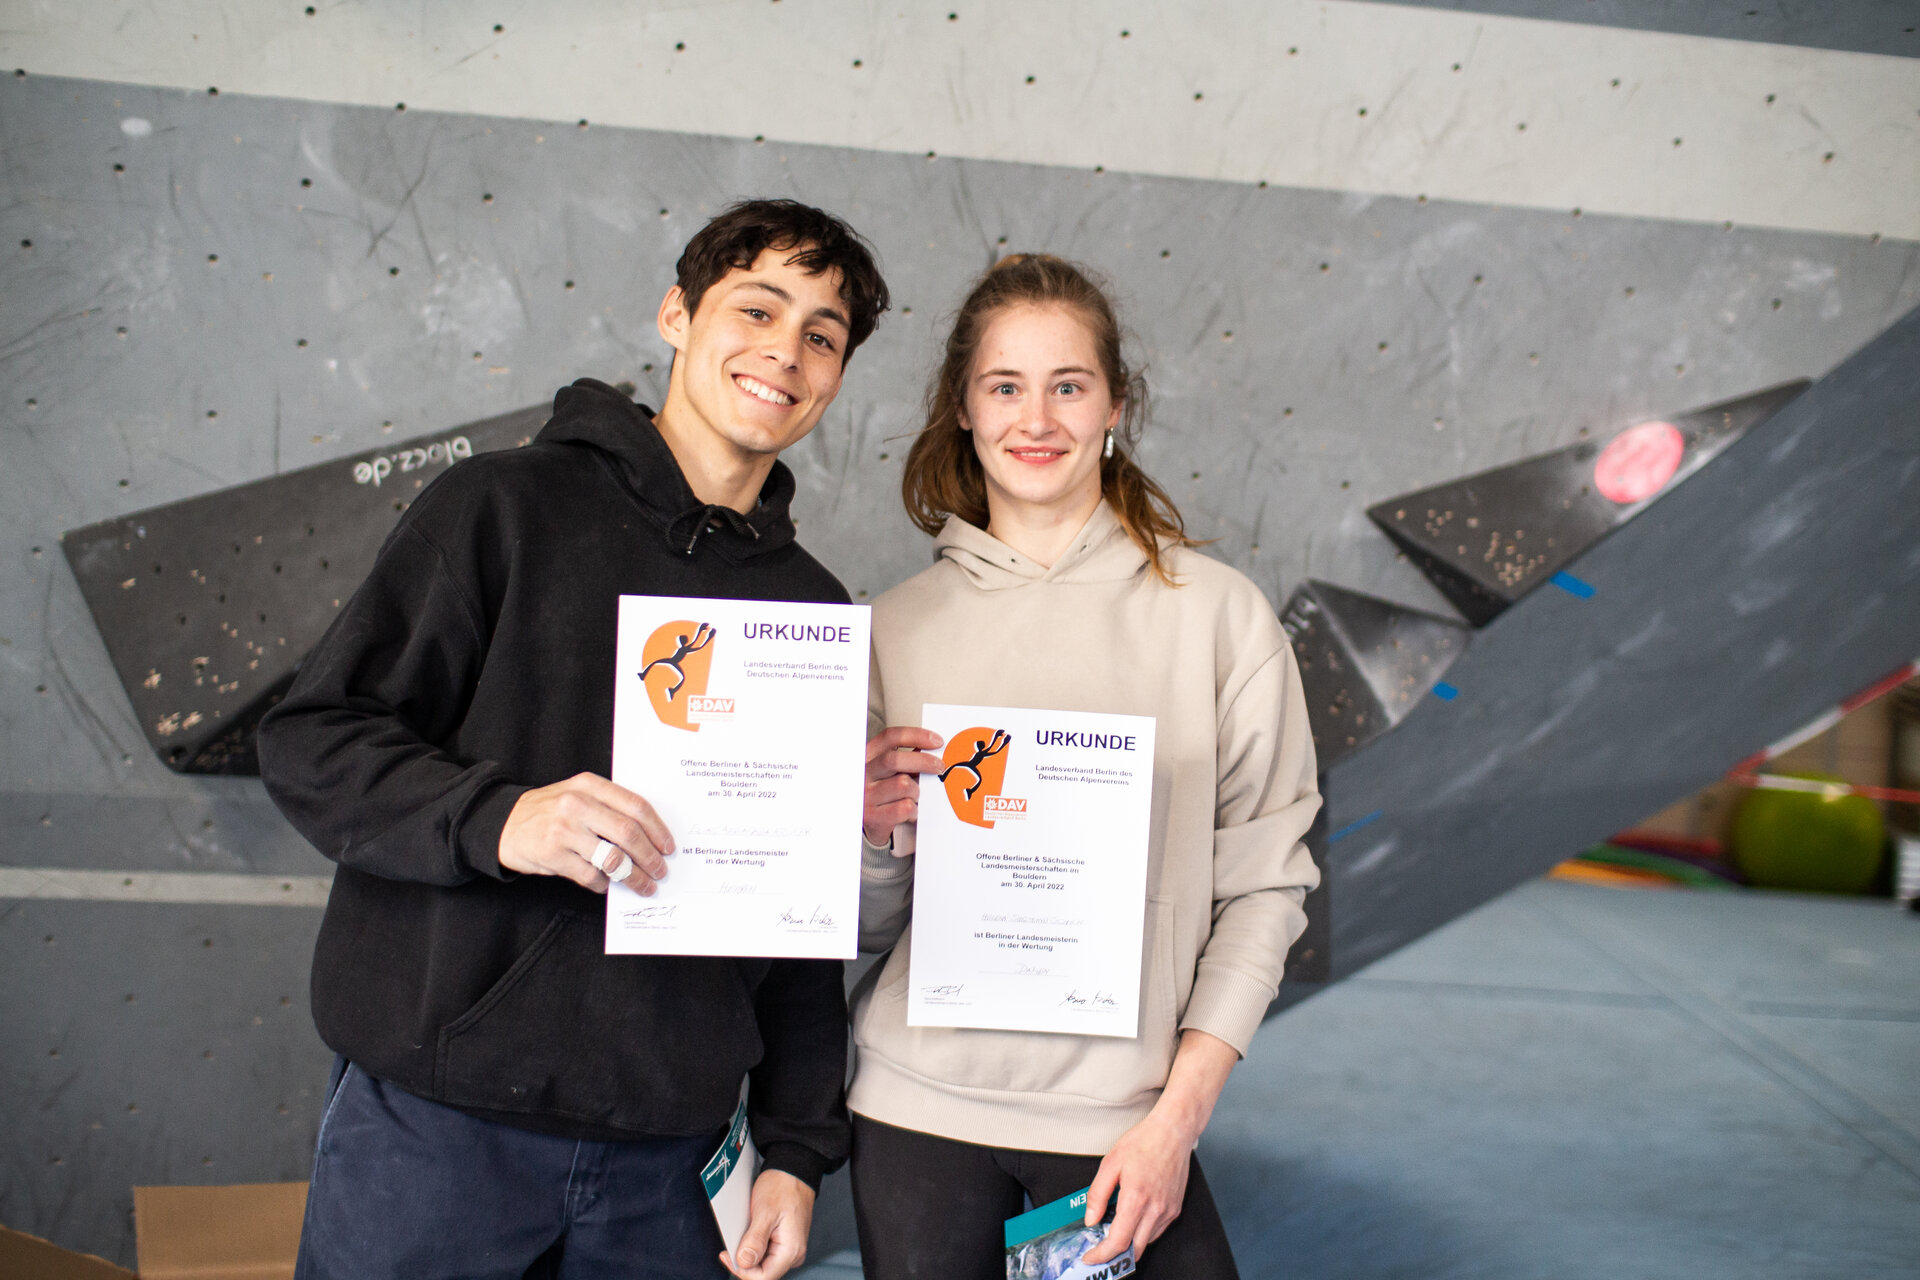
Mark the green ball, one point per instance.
(1806, 840)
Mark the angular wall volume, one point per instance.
(1364, 663)
(1490, 538)
(1782, 576)
(208, 606)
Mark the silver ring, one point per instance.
(599, 857)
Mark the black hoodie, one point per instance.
(476, 662)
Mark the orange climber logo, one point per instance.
(676, 660)
(976, 769)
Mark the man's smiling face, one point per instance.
(760, 359)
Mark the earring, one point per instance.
(1108, 451)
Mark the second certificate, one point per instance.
(1029, 891)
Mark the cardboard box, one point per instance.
(182, 1233)
(234, 1233)
(25, 1257)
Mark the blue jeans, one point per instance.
(413, 1190)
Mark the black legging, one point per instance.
(931, 1207)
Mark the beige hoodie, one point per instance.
(1233, 792)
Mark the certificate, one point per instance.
(1030, 883)
(743, 722)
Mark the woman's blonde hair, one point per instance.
(943, 474)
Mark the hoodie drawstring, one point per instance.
(705, 519)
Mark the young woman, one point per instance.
(1065, 580)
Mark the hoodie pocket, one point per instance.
(447, 1072)
(655, 1043)
(516, 973)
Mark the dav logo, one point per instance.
(976, 766)
(1003, 807)
(677, 659)
(704, 710)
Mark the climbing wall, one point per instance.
(247, 251)
(1716, 618)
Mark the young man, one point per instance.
(508, 1099)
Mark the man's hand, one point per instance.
(895, 761)
(554, 831)
(775, 1241)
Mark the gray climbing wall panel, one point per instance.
(201, 291)
(151, 1043)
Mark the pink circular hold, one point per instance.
(1637, 463)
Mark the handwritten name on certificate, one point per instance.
(743, 722)
(1030, 884)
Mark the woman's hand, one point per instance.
(1149, 1164)
(895, 760)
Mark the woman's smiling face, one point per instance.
(1039, 408)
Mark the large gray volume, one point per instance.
(1726, 614)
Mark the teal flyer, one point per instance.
(1048, 1242)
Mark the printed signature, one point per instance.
(946, 989)
(818, 918)
(660, 911)
(1098, 1000)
